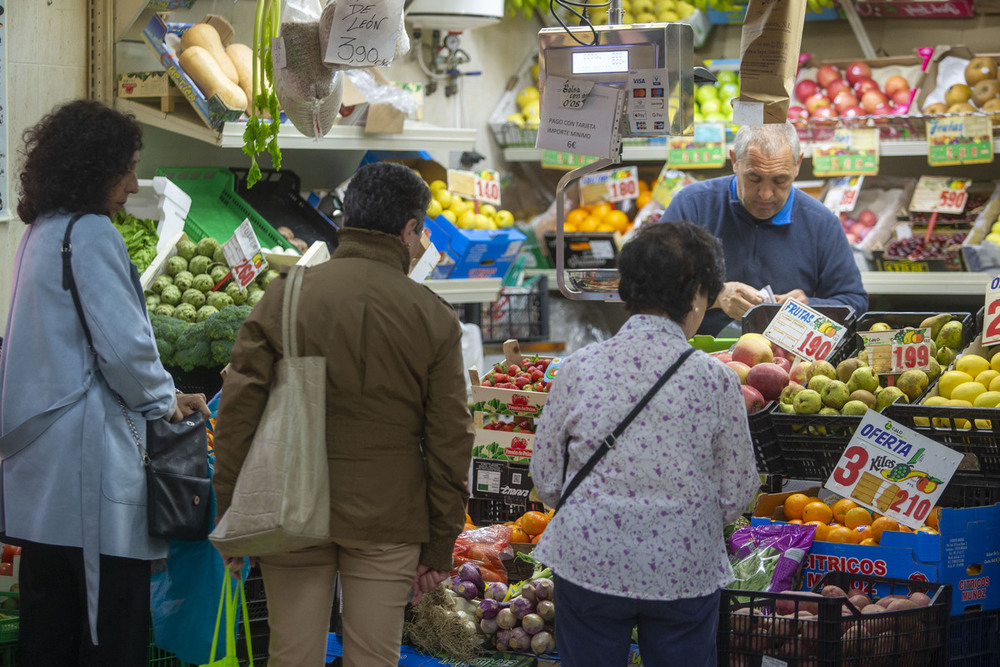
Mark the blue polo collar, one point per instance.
(783, 217)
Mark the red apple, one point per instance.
(844, 99)
(852, 112)
(805, 89)
(867, 218)
(859, 230)
(872, 99)
(752, 349)
(900, 110)
(858, 70)
(835, 87)
(784, 363)
(895, 83)
(722, 356)
(882, 110)
(768, 379)
(741, 370)
(864, 85)
(782, 352)
(901, 98)
(826, 75)
(754, 401)
(815, 102)
(797, 114)
(800, 373)
(824, 116)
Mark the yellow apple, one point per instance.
(442, 197)
(480, 221)
(467, 220)
(488, 210)
(438, 185)
(449, 216)
(434, 208)
(504, 219)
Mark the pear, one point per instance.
(817, 382)
(888, 396)
(822, 367)
(934, 323)
(863, 378)
(846, 367)
(807, 402)
(788, 393)
(934, 371)
(863, 396)
(945, 355)
(912, 383)
(880, 326)
(786, 408)
(854, 408)
(835, 394)
(933, 347)
(950, 335)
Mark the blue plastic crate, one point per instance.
(477, 253)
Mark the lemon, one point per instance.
(438, 185)
(951, 379)
(986, 377)
(434, 210)
(467, 220)
(480, 221)
(488, 210)
(972, 364)
(995, 362)
(994, 384)
(933, 400)
(967, 391)
(987, 399)
(449, 215)
(443, 197)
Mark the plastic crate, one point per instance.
(253, 587)
(977, 435)
(260, 636)
(972, 640)
(912, 319)
(206, 381)
(757, 318)
(276, 198)
(487, 511)
(765, 440)
(521, 312)
(10, 620)
(216, 209)
(809, 446)
(910, 637)
(517, 569)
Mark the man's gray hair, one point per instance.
(770, 139)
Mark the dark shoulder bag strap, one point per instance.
(612, 439)
(70, 283)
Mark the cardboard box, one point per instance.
(518, 403)
(980, 256)
(718, 17)
(212, 111)
(966, 554)
(586, 250)
(421, 161)
(477, 253)
(501, 480)
(7, 582)
(356, 109)
(515, 445)
(167, 5)
(145, 84)
(939, 76)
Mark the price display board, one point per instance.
(243, 254)
(893, 470)
(850, 152)
(843, 194)
(803, 331)
(705, 150)
(897, 350)
(613, 185)
(482, 186)
(941, 194)
(364, 34)
(959, 140)
(561, 160)
(991, 314)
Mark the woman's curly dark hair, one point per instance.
(666, 265)
(73, 157)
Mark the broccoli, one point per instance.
(225, 324)
(164, 309)
(161, 282)
(205, 312)
(239, 296)
(222, 351)
(203, 282)
(170, 295)
(186, 312)
(192, 350)
(200, 264)
(186, 249)
(183, 280)
(218, 272)
(175, 265)
(219, 300)
(206, 247)
(194, 297)
(166, 330)
(219, 256)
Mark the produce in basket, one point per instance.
(529, 375)
(140, 238)
(483, 547)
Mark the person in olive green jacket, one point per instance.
(399, 434)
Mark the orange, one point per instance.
(882, 524)
(934, 517)
(617, 219)
(927, 529)
(794, 504)
(817, 511)
(864, 532)
(868, 542)
(841, 507)
(605, 227)
(841, 534)
(589, 224)
(534, 523)
(569, 228)
(822, 530)
(645, 196)
(857, 516)
(600, 211)
(905, 529)
(534, 540)
(643, 186)
(576, 216)
(797, 522)
(518, 535)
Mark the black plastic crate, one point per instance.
(973, 431)
(765, 440)
(909, 637)
(913, 319)
(206, 381)
(276, 198)
(965, 490)
(809, 446)
(757, 318)
(486, 511)
(521, 312)
(260, 636)
(972, 639)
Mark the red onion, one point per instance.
(467, 590)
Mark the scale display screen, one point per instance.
(599, 62)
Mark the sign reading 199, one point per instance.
(991, 318)
(815, 344)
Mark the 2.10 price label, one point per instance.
(893, 470)
(991, 313)
(804, 331)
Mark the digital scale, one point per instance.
(641, 77)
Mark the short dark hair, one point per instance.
(73, 157)
(666, 265)
(384, 196)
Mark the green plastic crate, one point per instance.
(9, 620)
(711, 344)
(216, 209)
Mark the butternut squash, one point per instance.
(241, 56)
(208, 76)
(207, 37)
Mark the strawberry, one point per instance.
(499, 377)
(537, 375)
(513, 369)
(522, 381)
(539, 386)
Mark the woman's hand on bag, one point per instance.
(235, 564)
(188, 403)
(425, 580)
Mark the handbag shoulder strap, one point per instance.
(69, 282)
(290, 309)
(612, 438)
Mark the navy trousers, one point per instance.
(595, 630)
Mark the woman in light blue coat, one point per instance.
(71, 475)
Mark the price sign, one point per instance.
(805, 332)
(959, 140)
(243, 254)
(560, 160)
(991, 313)
(941, 194)
(486, 186)
(364, 34)
(623, 184)
(705, 150)
(893, 470)
(594, 187)
(843, 194)
(850, 152)
(910, 349)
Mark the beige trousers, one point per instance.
(375, 578)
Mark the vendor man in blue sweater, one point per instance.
(771, 234)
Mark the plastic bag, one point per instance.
(483, 547)
(377, 93)
(769, 557)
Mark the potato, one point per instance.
(873, 609)
(286, 232)
(922, 599)
(887, 600)
(833, 592)
(859, 600)
(299, 244)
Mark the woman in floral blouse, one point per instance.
(639, 542)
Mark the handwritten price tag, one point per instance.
(623, 184)
(941, 194)
(486, 186)
(893, 470)
(364, 34)
(804, 331)
(991, 313)
(843, 194)
(243, 254)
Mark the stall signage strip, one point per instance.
(940, 194)
(959, 140)
(705, 150)
(613, 185)
(897, 350)
(843, 194)
(804, 331)
(893, 470)
(852, 152)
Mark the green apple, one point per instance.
(727, 76)
(727, 90)
(711, 106)
(706, 92)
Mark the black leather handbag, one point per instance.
(175, 456)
